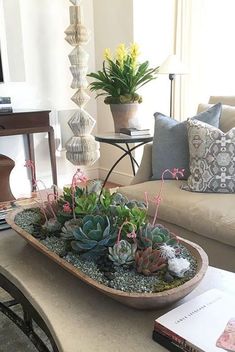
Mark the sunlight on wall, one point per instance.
(211, 52)
(154, 32)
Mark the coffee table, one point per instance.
(78, 317)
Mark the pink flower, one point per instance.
(132, 234)
(175, 172)
(79, 177)
(66, 208)
(157, 200)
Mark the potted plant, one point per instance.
(119, 80)
(108, 241)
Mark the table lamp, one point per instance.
(172, 66)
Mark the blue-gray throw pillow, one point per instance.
(170, 142)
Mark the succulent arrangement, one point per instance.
(108, 232)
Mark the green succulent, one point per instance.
(149, 261)
(122, 253)
(51, 226)
(119, 199)
(67, 194)
(122, 213)
(106, 199)
(69, 227)
(136, 204)
(62, 216)
(155, 236)
(94, 237)
(86, 204)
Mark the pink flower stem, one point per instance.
(33, 175)
(41, 198)
(146, 199)
(49, 195)
(73, 189)
(159, 198)
(42, 210)
(121, 227)
(78, 177)
(73, 202)
(55, 190)
(174, 173)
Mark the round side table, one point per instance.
(118, 140)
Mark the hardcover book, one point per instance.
(204, 324)
(5, 109)
(5, 100)
(134, 131)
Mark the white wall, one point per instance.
(151, 25)
(154, 32)
(113, 24)
(47, 83)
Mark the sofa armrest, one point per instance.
(144, 172)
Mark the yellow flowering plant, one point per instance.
(122, 75)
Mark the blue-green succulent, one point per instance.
(122, 253)
(69, 227)
(94, 237)
(155, 236)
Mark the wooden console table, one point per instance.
(27, 123)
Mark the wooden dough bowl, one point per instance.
(135, 300)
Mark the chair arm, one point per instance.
(144, 172)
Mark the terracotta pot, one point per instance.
(124, 115)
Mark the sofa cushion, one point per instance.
(209, 214)
(227, 119)
(212, 158)
(170, 142)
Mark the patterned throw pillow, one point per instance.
(212, 158)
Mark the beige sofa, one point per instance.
(207, 219)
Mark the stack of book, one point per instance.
(5, 105)
(3, 213)
(204, 324)
(134, 131)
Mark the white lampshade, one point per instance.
(172, 65)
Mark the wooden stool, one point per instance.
(6, 165)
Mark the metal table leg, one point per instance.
(29, 315)
(128, 152)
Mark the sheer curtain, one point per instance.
(204, 40)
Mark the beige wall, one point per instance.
(151, 25)
(113, 24)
